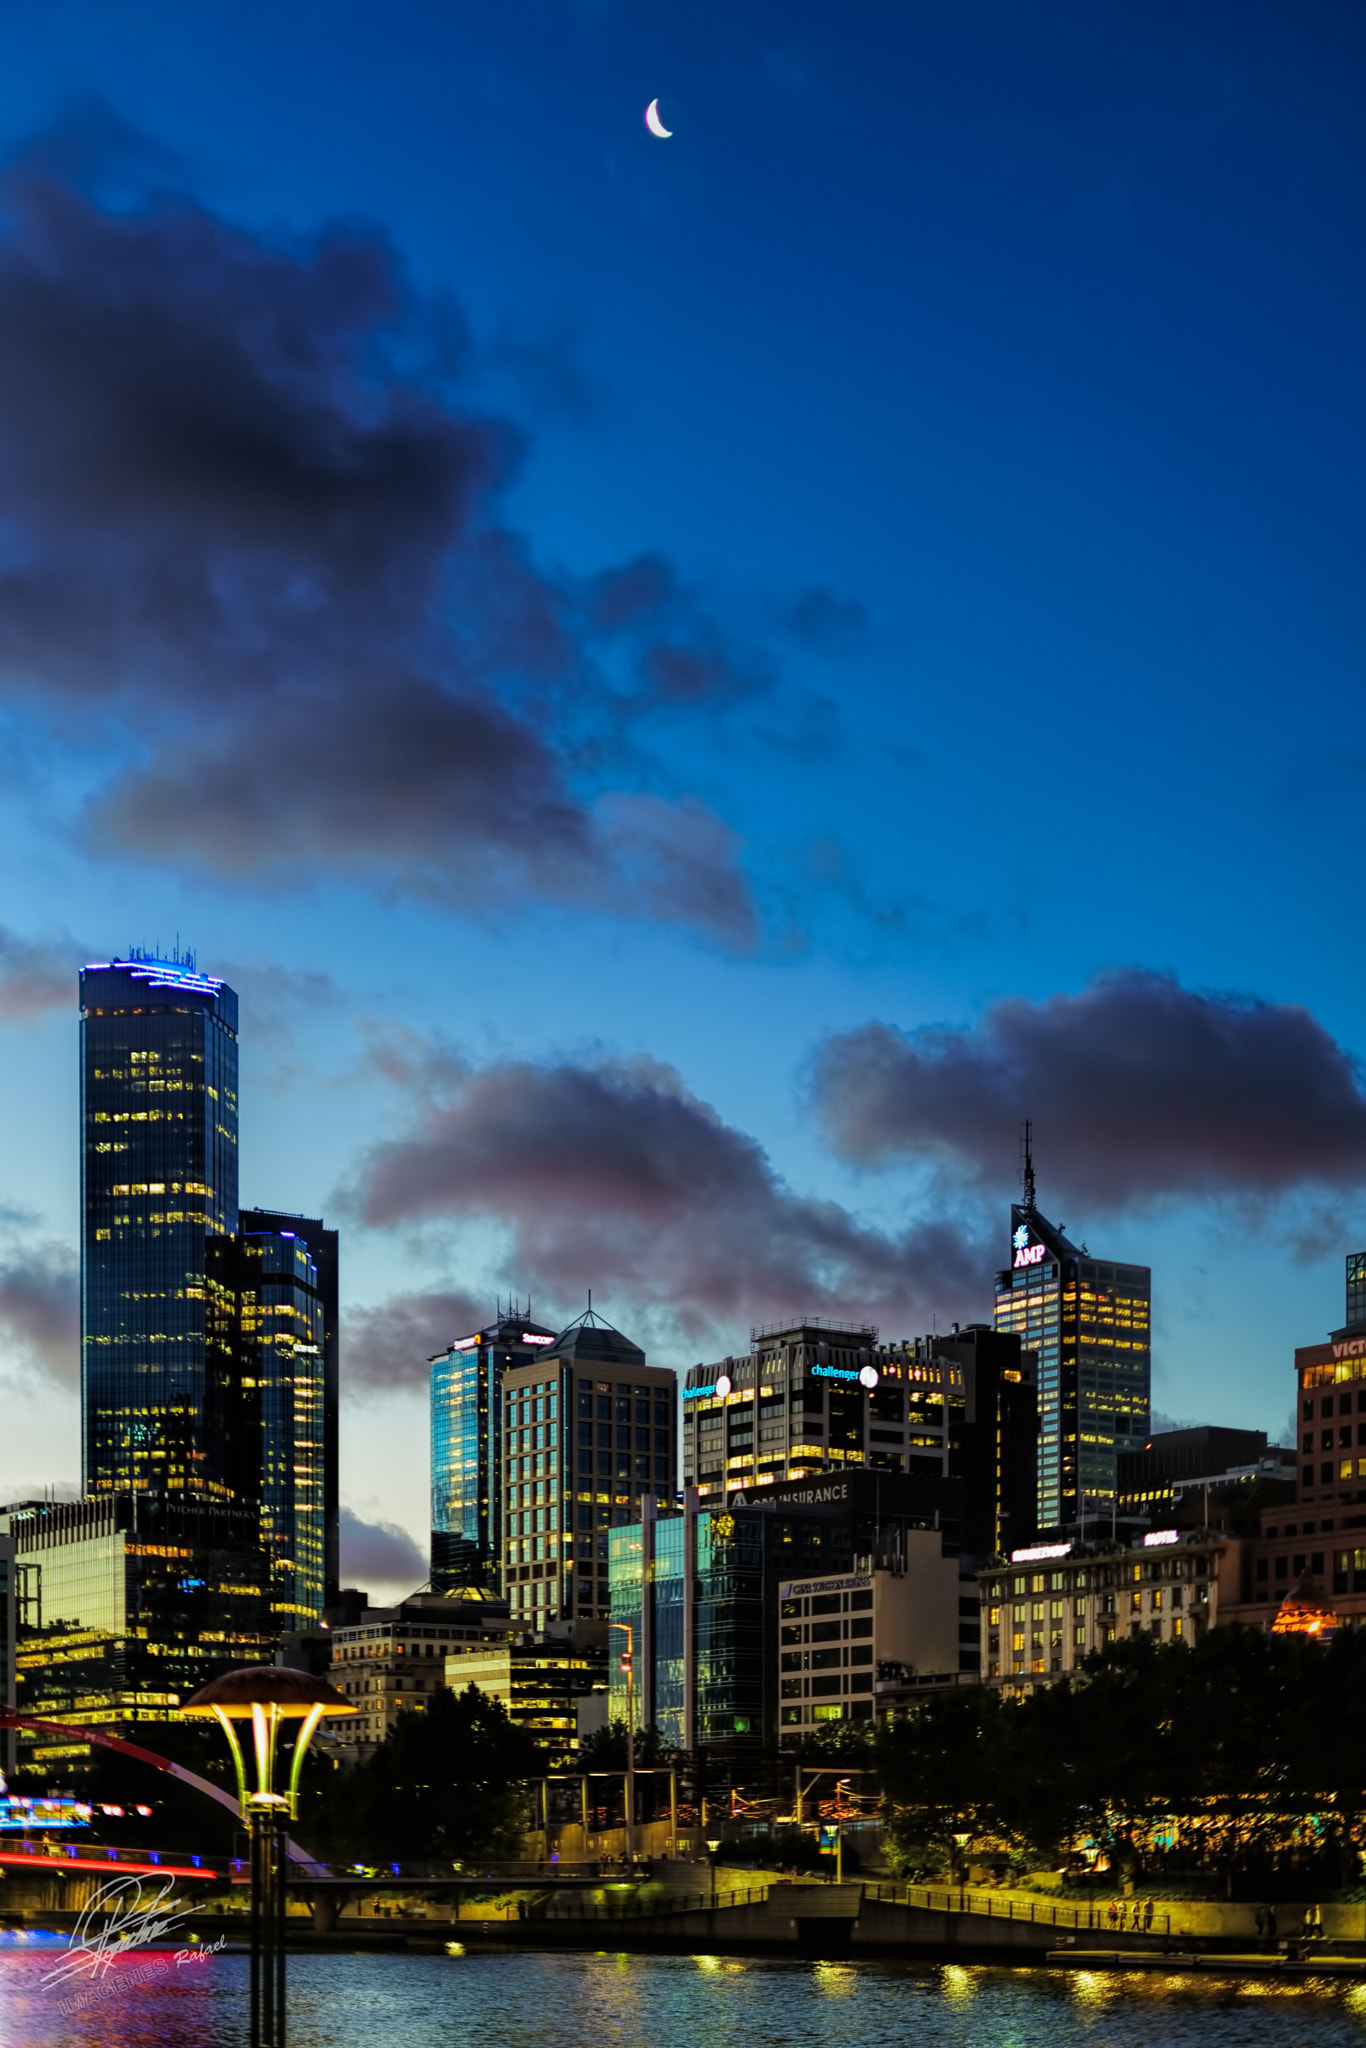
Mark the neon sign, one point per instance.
(530, 1337)
(1038, 1552)
(867, 1376)
(1161, 1536)
(720, 1387)
(1030, 1254)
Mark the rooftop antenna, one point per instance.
(1028, 1171)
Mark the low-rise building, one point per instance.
(1048, 1607)
(838, 1635)
(542, 1681)
(395, 1657)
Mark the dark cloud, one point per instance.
(614, 1176)
(826, 622)
(250, 532)
(388, 1346)
(40, 1314)
(1138, 1089)
(36, 975)
(378, 1552)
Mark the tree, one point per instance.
(447, 1782)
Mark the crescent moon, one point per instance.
(654, 124)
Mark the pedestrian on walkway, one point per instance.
(1148, 1916)
(1260, 1924)
(1112, 1914)
(1271, 1925)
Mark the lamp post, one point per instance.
(628, 1666)
(841, 1785)
(712, 1848)
(961, 1843)
(267, 1695)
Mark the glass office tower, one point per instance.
(467, 1449)
(158, 1181)
(323, 1248)
(1090, 1322)
(265, 1340)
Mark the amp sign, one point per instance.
(1027, 1254)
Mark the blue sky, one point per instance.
(913, 568)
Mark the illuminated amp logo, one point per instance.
(1021, 1237)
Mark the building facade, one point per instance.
(392, 1658)
(696, 1596)
(839, 1635)
(1155, 1477)
(817, 1398)
(467, 1448)
(541, 1681)
(9, 1622)
(1089, 1321)
(589, 1431)
(265, 1336)
(323, 1246)
(1054, 1603)
(158, 1182)
(138, 1602)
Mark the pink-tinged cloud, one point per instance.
(615, 1176)
(1138, 1089)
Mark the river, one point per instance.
(522, 2000)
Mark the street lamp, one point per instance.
(712, 1848)
(961, 1843)
(841, 1786)
(266, 1695)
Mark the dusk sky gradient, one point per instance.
(691, 685)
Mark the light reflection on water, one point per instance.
(481, 2000)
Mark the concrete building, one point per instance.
(1052, 1604)
(9, 1622)
(838, 1635)
(589, 1430)
(1178, 1462)
(812, 1397)
(545, 1682)
(390, 1658)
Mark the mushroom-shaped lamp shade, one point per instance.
(292, 1694)
(266, 1695)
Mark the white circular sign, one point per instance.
(868, 1377)
(723, 1384)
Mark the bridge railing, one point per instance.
(658, 1907)
(1035, 1912)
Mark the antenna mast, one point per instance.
(1028, 1170)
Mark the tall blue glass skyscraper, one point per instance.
(158, 1181)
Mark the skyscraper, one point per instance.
(158, 1181)
(265, 1336)
(588, 1430)
(467, 1448)
(1090, 1321)
(323, 1249)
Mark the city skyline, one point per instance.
(763, 659)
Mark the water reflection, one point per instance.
(477, 1999)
